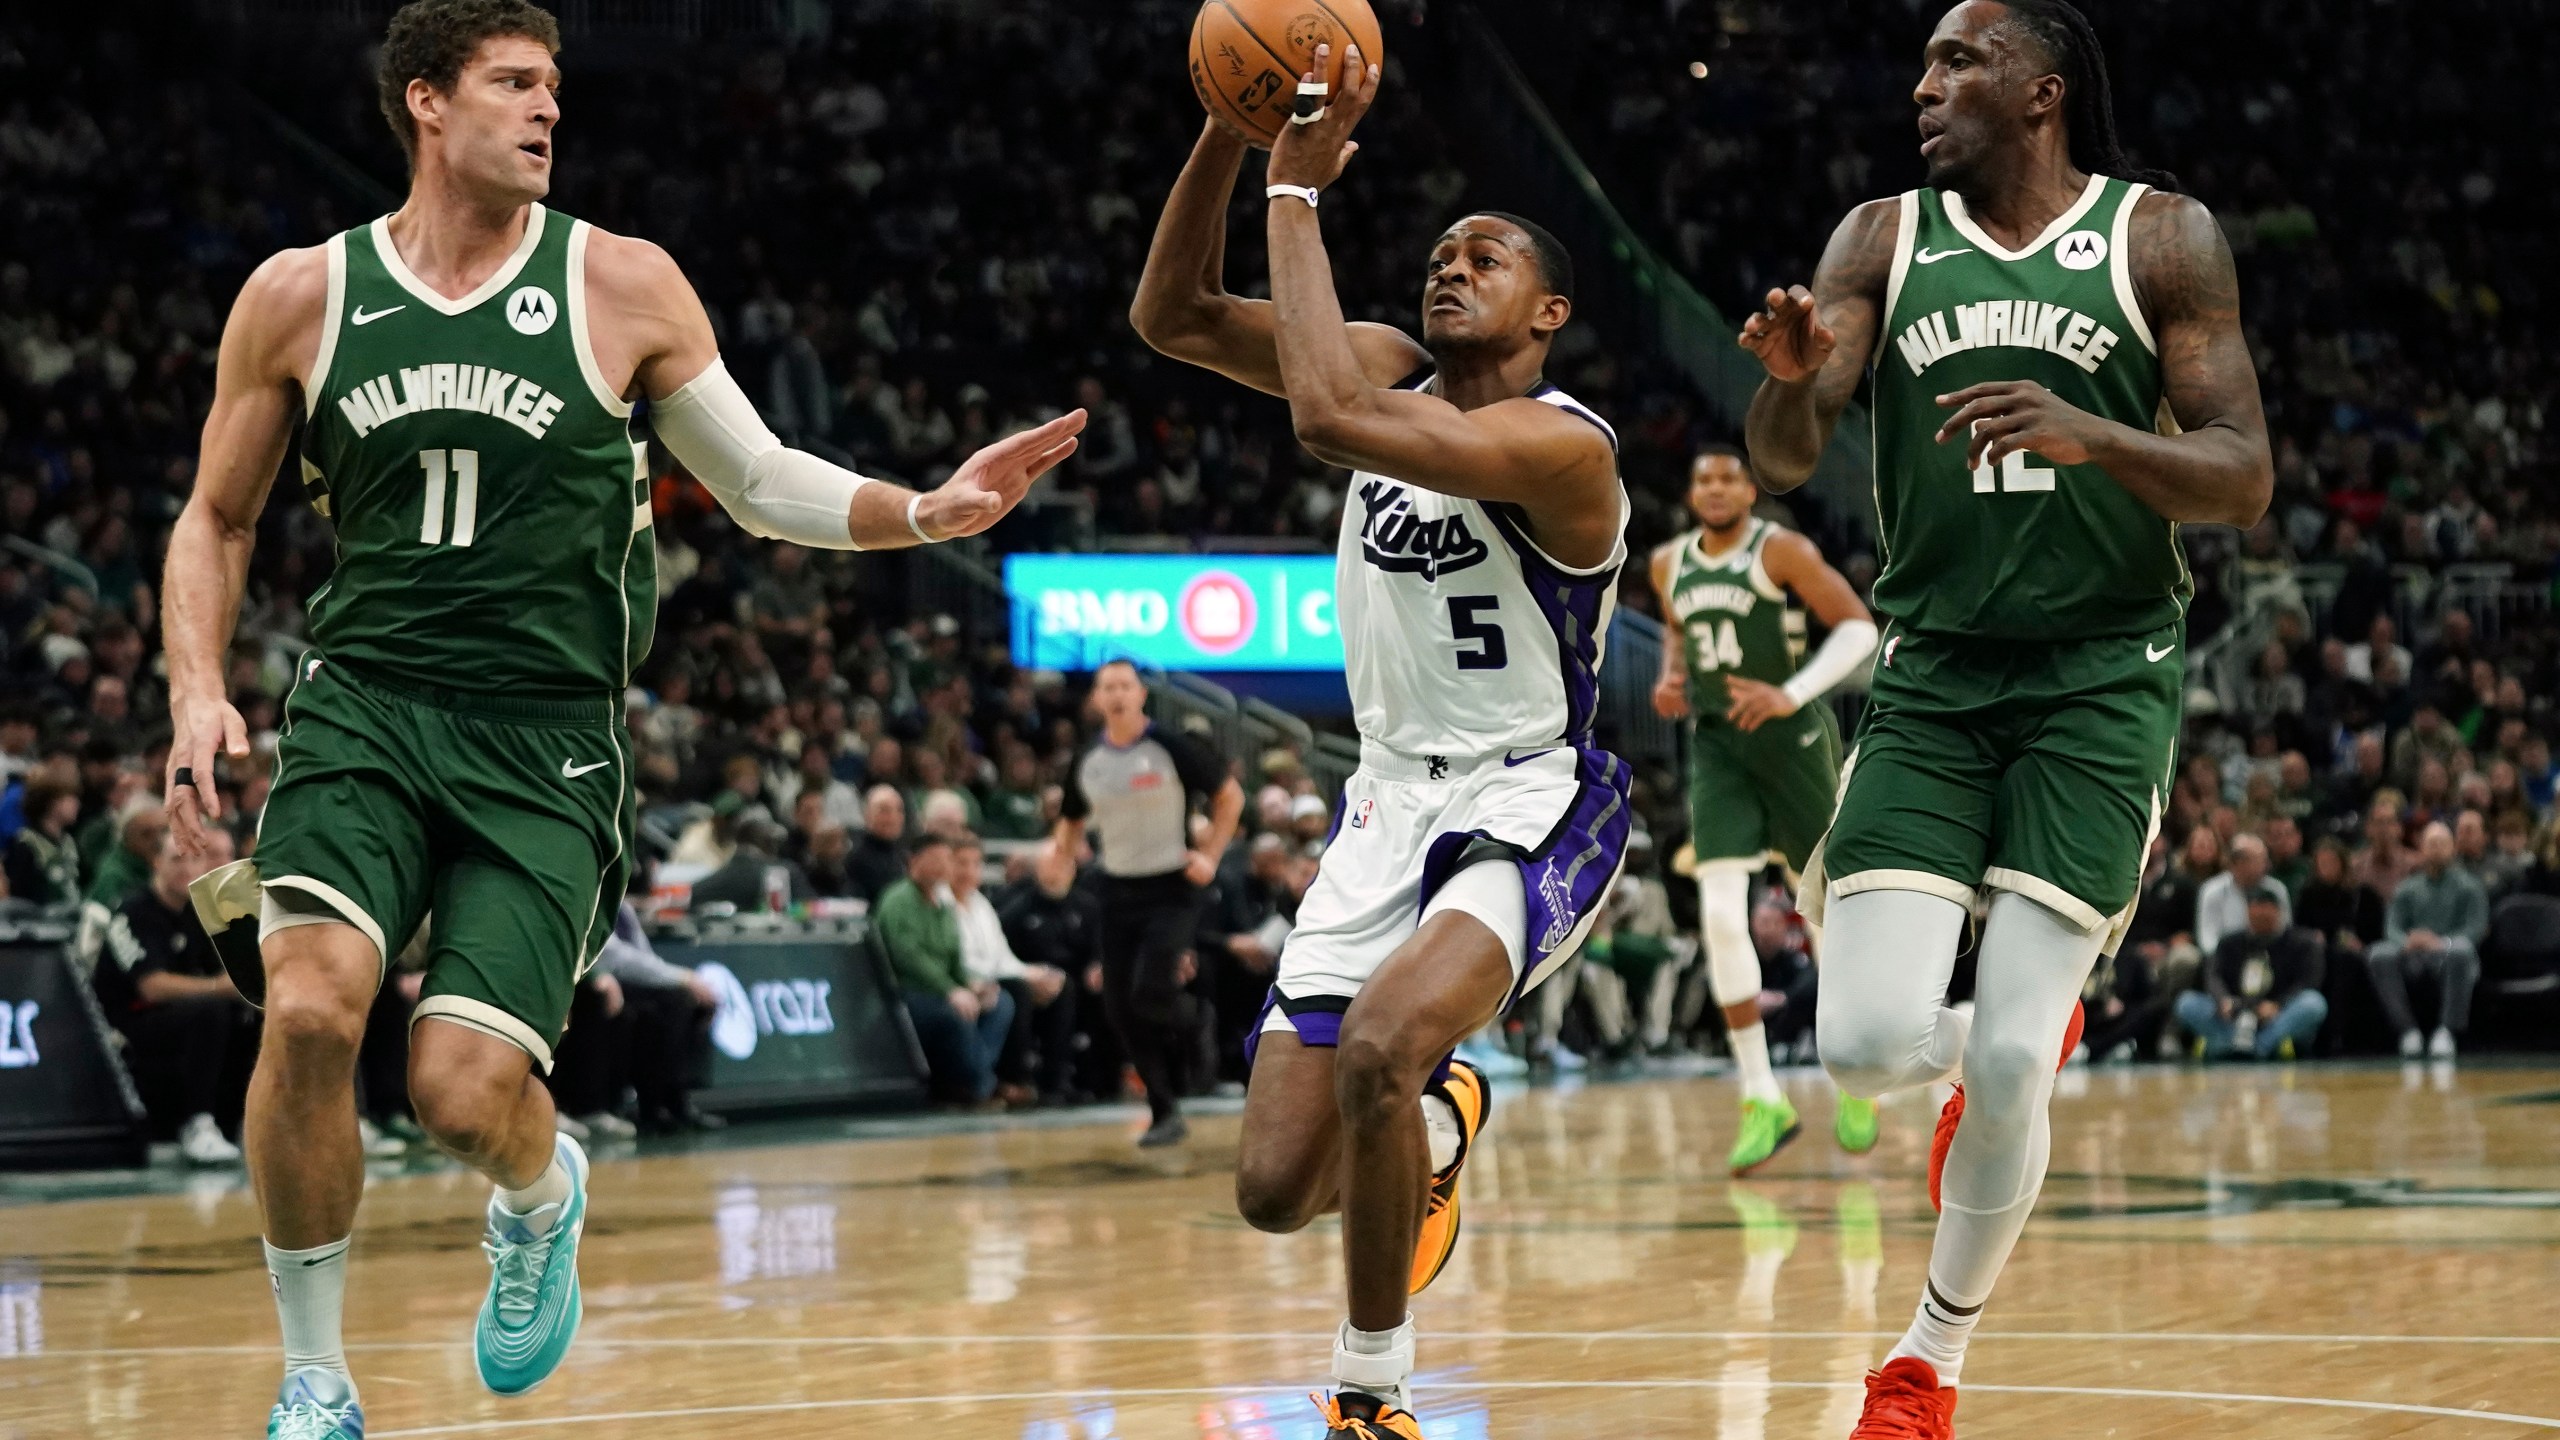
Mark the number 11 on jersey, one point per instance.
(465, 468)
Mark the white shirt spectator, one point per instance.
(984, 952)
(2222, 910)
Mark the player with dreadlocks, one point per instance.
(2060, 380)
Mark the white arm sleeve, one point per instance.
(711, 427)
(1842, 652)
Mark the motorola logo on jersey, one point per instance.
(2081, 250)
(532, 310)
(1217, 612)
(1394, 539)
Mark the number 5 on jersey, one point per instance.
(464, 465)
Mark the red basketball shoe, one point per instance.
(1906, 1402)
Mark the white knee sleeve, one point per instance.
(1724, 920)
(1882, 1018)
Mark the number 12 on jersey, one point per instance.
(464, 465)
(2016, 475)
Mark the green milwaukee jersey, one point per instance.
(2025, 549)
(1733, 619)
(490, 495)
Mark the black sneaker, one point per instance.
(1170, 1130)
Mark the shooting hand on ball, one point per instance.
(1314, 154)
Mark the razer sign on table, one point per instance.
(1181, 612)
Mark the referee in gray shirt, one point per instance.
(1134, 786)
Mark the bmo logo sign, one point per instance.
(1182, 612)
(1217, 613)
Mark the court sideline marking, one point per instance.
(480, 1427)
(2110, 1337)
(1309, 1338)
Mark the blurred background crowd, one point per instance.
(904, 263)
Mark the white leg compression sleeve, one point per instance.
(1882, 1021)
(1724, 920)
(2032, 966)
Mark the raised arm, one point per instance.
(1183, 309)
(2216, 468)
(651, 328)
(1815, 345)
(270, 341)
(1557, 466)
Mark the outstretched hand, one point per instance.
(990, 483)
(1789, 337)
(1314, 154)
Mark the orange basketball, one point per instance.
(1247, 55)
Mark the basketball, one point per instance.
(1247, 55)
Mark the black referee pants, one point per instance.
(1147, 928)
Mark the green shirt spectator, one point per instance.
(920, 938)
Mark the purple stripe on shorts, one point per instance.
(1568, 877)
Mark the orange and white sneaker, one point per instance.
(1906, 1402)
(1369, 1418)
(1948, 1114)
(1472, 1099)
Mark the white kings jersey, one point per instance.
(1460, 635)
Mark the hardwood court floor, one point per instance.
(2320, 1253)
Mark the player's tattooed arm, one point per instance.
(1671, 682)
(2214, 468)
(1815, 345)
(1182, 308)
(269, 346)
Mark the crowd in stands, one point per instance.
(901, 265)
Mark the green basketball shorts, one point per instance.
(1768, 792)
(508, 819)
(2034, 768)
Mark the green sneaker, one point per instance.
(1767, 1126)
(533, 1308)
(1854, 1125)
(316, 1404)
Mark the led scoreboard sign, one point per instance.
(1180, 612)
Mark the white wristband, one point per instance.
(914, 502)
(1307, 193)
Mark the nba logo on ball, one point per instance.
(1217, 612)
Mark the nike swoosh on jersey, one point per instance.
(570, 771)
(1511, 760)
(361, 318)
(1808, 738)
(2156, 656)
(1925, 256)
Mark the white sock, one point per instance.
(1939, 1332)
(1374, 1362)
(1440, 1123)
(311, 1297)
(1751, 1063)
(550, 1188)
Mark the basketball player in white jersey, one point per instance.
(1480, 547)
